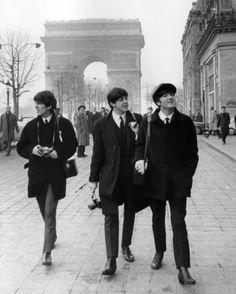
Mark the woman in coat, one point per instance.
(47, 147)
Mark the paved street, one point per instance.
(79, 255)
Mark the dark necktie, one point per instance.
(46, 121)
(167, 121)
(122, 125)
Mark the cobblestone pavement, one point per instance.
(229, 149)
(79, 255)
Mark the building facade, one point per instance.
(70, 46)
(209, 57)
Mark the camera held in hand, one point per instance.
(45, 150)
(95, 204)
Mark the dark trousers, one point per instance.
(48, 207)
(81, 150)
(8, 144)
(111, 225)
(215, 132)
(224, 133)
(180, 236)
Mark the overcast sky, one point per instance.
(162, 24)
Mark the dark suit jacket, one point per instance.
(105, 161)
(223, 120)
(172, 155)
(45, 170)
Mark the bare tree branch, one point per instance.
(19, 61)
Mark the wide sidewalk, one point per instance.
(229, 149)
(79, 256)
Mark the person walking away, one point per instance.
(47, 146)
(223, 124)
(172, 161)
(8, 126)
(94, 116)
(111, 166)
(212, 122)
(82, 130)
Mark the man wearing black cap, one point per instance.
(172, 161)
(111, 166)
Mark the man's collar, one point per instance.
(164, 116)
(48, 118)
(117, 116)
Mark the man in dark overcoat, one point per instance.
(172, 160)
(111, 166)
(223, 123)
(8, 126)
(47, 143)
(82, 130)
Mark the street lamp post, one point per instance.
(17, 85)
(8, 91)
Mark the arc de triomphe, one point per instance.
(70, 46)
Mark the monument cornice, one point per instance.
(123, 71)
(86, 38)
(220, 23)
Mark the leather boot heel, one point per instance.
(185, 277)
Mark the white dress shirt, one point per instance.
(163, 116)
(47, 118)
(116, 118)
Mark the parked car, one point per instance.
(200, 127)
(232, 127)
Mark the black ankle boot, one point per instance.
(185, 277)
(110, 267)
(157, 260)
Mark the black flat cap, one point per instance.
(163, 89)
(81, 106)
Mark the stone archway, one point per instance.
(70, 46)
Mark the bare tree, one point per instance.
(19, 62)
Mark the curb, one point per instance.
(218, 150)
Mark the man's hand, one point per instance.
(93, 186)
(134, 127)
(37, 150)
(140, 167)
(53, 154)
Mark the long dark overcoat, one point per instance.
(106, 157)
(82, 129)
(172, 155)
(44, 170)
(12, 124)
(224, 121)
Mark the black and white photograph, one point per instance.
(118, 147)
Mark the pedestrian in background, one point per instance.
(198, 117)
(104, 111)
(82, 130)
(223, 124)
(172, 160)
(149, 112)
(8, 126)
(111, 166)
(94, 116)
(212, 122)
(47, 150)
